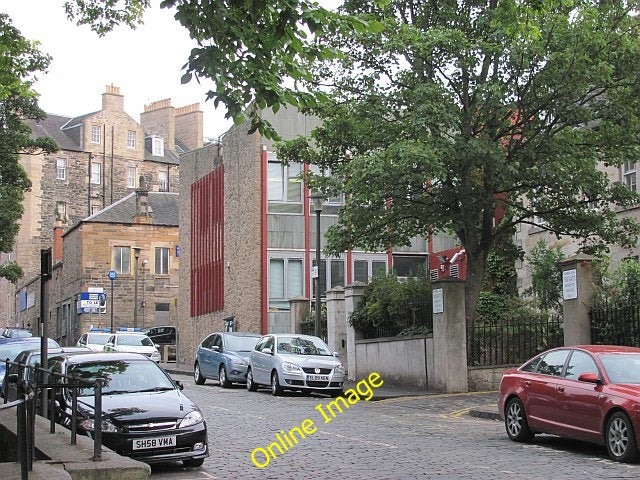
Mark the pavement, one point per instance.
(488, 410)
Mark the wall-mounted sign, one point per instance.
(569, 284)
(438, 301)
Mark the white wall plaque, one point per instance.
(569, 284)
(438, 301)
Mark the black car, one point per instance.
(162, 335)
(145, 414)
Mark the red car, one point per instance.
(586, 392)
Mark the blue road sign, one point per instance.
(112, 275)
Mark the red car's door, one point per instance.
(580, 403)
(541, 391)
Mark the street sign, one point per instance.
(112, 275)
(91, 300)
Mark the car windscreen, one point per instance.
(134, 340)
(622, 367)
(97, 338)
(302, 346)
(240, 344)
(121, 376)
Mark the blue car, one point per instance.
(11, 347)
(224, 357)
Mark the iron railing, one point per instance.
(27, 394)
(24, 429)
(615, 323)
(420, 321)
(507, 344)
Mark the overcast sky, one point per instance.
(145, 63)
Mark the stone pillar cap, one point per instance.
(578, 257)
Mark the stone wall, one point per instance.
(483, 379)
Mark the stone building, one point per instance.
(137, 237)
(248, 236)
(102, 156)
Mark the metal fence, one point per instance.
(504, 344)
(26, 401)
(420, 321)
(615, 323)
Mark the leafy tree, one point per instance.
(20, 59)
(473, 117)
(546, 275)
(257, 52)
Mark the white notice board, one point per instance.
(438, 301)
(569, 284)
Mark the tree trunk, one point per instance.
(476, 265)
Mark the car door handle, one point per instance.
(527, 383)
(560, 389)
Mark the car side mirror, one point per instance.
(215, 348)
(267, 351)
(180, 385)
(157, 345)
(590, 377)
(335, 354)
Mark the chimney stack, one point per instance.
(111, 99)
(143, 215)
(188, 121)
(158, 119)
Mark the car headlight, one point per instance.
(155, 355)
(238, 361)
(290, 367)
(339, 369)
(191, 419)
(107, 426)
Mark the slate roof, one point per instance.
(163, 205)
(52, 127)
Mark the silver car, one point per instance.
(294, 362)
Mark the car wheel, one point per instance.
(276, 389)
(515, 421)
(197, 377)
(252, 387)
(621, 439)
(224, 381)
(193, 462)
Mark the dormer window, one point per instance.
(157, 147)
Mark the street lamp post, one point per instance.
(136, 255)
(316, 199)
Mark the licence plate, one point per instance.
(154, 442)
(318, 378)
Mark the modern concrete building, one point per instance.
(102, 156)
(248, 236)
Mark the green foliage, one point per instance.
(20, 60)
(11, 271)
(501, 276)
(388, 301)
(618, 286)
(259, 54)
(308, 322)
(546, 275)
(495, 309)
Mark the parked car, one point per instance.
(161, 335)
(586, 392)
(145, 414)
(15, 332)
(32, 358)
(11, 347)
(294, 362)
(224, 357)
(133, 342)
(94, 339)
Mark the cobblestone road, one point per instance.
(411, 437)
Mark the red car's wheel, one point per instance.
(515, 421)
(621, 439)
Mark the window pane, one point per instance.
(162, 261)
(378, 267)
(276, 278)
(131, 177)
(337, 273)
(409, 266)
(580, 362)
(294, 280)
(294, 185)
(96, 172)
(552, 363)
(274, 185)
(361, 271)
(121, 259)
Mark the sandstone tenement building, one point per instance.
(102, 156)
